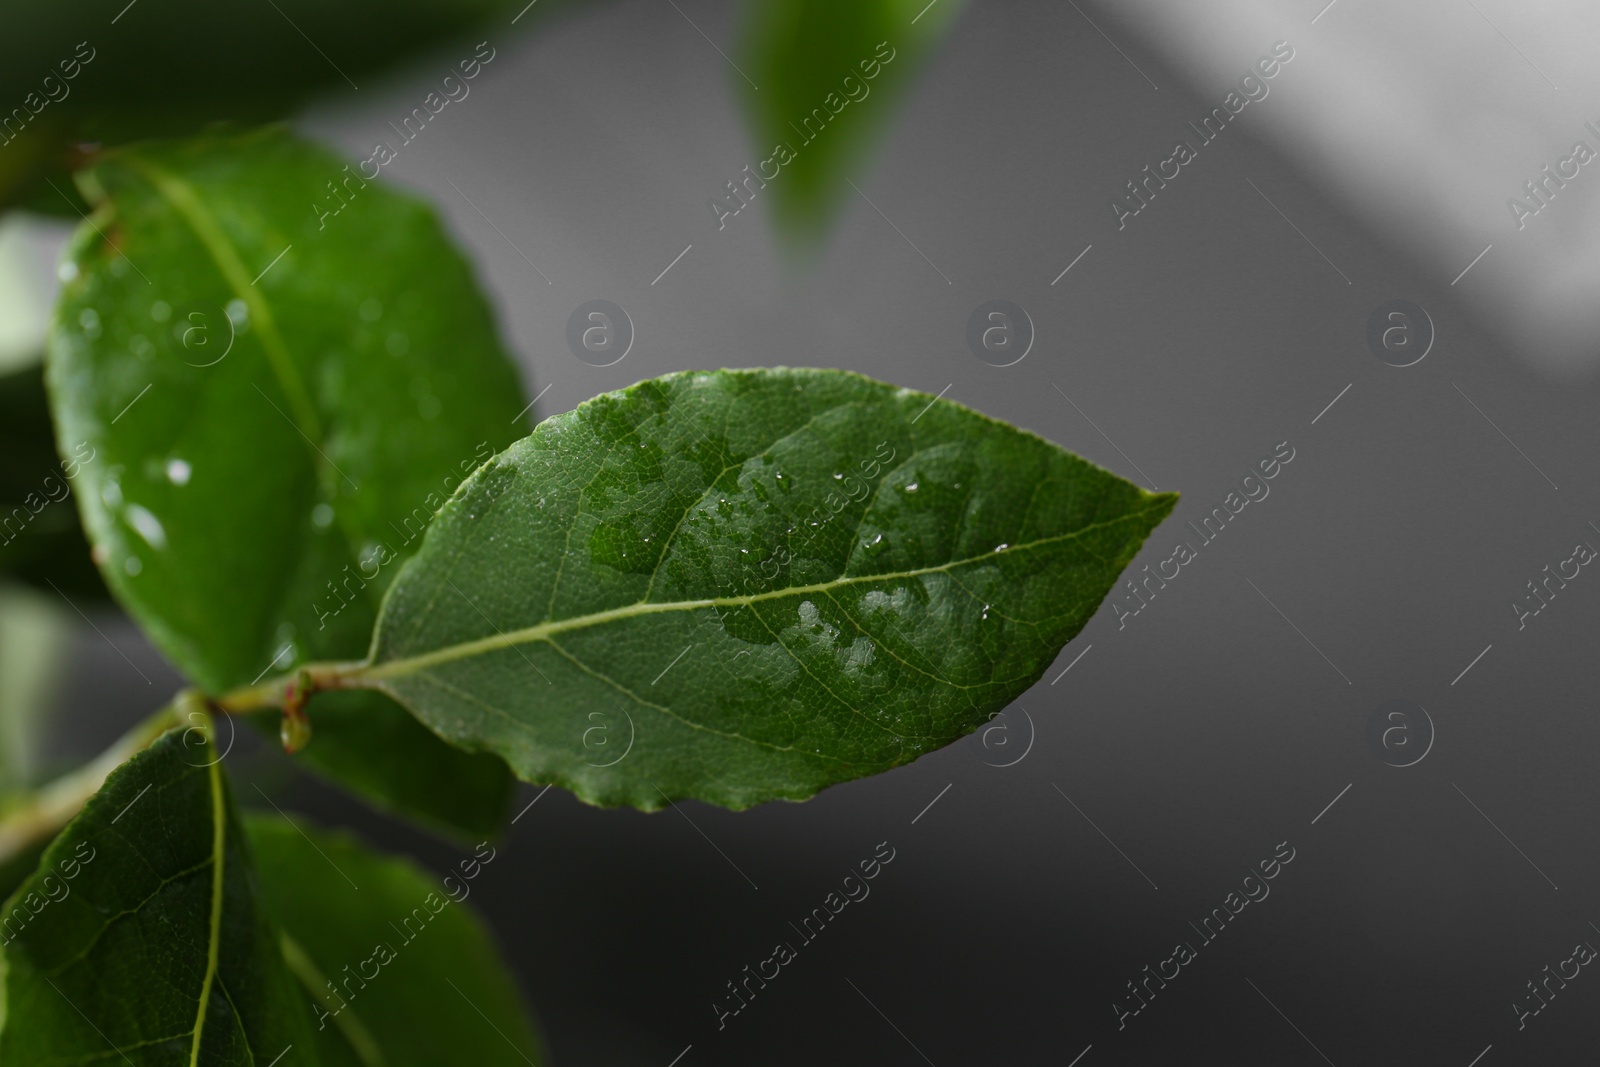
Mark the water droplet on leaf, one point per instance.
(148, 526)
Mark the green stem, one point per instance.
(42, 814)
(48, 808)
(272, 694)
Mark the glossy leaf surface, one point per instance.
(278, 392)
(746, 585)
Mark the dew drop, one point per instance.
(1001, 547)
(89, 319)
(238, 314)
(322, 516)
(133, 566)
(67, 271)
(148, 526)
(911, 487)
(178, 472)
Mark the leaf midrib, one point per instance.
(184, 200)
(374, 671)
(219, 823)
(345, 1019)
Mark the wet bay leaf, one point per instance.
(746, 585)
(282, 371)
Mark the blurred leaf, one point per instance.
(279, 392)
(740, 586)
(831, 73)
(369, 744)
(140, 936)
(410, 967)
(174, 67)
(40, 539)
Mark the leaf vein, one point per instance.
(602, 676)
(109, 920)
(861, 628)
(566, 544)
(219, 825)
(863, 716)
(376, 671)
(765, 452)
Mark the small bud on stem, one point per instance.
(295, 731)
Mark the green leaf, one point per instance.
(415, 977)
(831, 73)
(265, 426)
(278, 398)
(746, 585)
(141, 932)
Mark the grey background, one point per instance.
(1198, 737)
